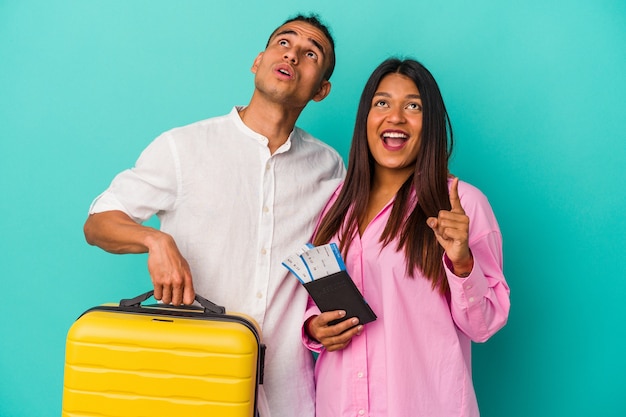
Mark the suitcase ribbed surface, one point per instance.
(134, 365)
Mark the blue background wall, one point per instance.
(536, 93)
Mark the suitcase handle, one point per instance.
(209, 306)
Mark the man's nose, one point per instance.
(291, 55)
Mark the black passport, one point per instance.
(338, 292)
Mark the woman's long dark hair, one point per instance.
(429, 179)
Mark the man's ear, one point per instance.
(323, 91)
(255, 64)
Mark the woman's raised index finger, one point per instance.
(455, 202)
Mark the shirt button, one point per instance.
(263, 252)
(265, 209)
(361, 412)
(471, 300)
(259, 295)
(267, 167)
(468, 287)
(360, 374)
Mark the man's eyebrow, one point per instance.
(285, 32)
(293, 33)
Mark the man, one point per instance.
(235, 194)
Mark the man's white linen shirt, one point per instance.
(236, 212)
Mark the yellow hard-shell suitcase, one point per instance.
(134, 360)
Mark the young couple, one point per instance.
(236, 194)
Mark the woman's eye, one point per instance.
(380, 103)
(414, 106)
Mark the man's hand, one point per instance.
(115, 232)
(333, 337)
(169, 271)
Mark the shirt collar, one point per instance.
(234, 115)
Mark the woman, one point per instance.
(424, 249)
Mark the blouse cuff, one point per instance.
(309, 343)
(471, 288)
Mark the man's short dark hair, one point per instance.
(314, 20)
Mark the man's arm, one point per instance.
(116, 232)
